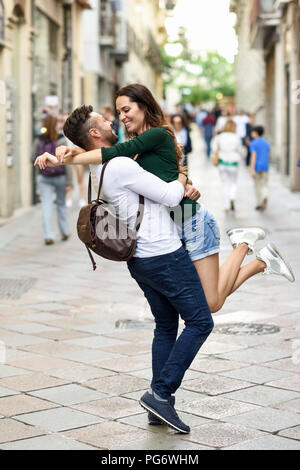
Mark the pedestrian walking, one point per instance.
(52, 181)
(182, 135)
(229, 148)
(260, 156)
(208, 124)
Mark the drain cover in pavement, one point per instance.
(246, 329)
(15, 288)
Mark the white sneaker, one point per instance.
(248, 235)
(82, 203)
(69, 203)
(275, 263)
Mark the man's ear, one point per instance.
(94, 132)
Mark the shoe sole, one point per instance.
(148, 408)
(277, 252)
(256, 226)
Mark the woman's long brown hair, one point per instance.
(154, 116)
(50, 124)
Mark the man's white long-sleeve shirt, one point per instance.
(124, 180)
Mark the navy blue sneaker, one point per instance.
(153, 420)
(164, 411)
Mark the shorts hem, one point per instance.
(213, 251)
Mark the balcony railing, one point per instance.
(263, 12)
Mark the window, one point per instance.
(1, 21)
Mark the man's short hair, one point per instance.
(259, 129)
(77, 126)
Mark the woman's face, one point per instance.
(131, 115)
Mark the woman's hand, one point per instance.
(45, 160)
(191, 192)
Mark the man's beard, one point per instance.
(109, 136)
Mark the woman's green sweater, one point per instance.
(157, 155)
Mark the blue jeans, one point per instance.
(47, 185)
(172, 287)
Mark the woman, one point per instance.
(57, 179)
(182, 135)
(230, 149)
(153, 139)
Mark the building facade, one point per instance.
(270, 28)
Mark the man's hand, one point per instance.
(192, 193)
(45, 160)
(65, 154)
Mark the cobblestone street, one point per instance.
(76, 344)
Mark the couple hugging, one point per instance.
(176, 263)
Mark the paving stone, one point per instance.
(289, 383)
(284, 364)
(68, 394)
(118, 384)
(79, 373)
(29, 328)
(253, 356)
(108, 434)
(6, 392)
(266, 419)
(59, 419)
(256, 374)
(49, 306)
(126, 364)
(291, 405)
(12, 430)
(130, 349)
(161, 442)
(214, 385)
(29, 382)
(291, 433)
(60, 335)
(213, 365)
(94, 342)
(50, 442)
(42, 363)
(137, 336)
(17, 404)
(215, 407)
(8, 371)
(217, 347)
(89, 356)
(52, 348)
(267, 442)
(262, 395)
(220, 435)
(110, 408)
(16, 339)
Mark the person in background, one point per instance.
(249, 127)
(260, 156)
(221, 121)
(182, 135)
(201, 114)
(208, 124)
(230, 150)
(241, 120)
(51, 180)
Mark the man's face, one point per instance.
(103, 127)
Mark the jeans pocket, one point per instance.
(214, 229)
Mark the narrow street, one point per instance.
(75, 350)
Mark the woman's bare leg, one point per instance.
(248, 271)
(80, 180)
(219, 282)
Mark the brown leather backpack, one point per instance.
(102, 232)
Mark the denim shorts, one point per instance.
(201, 235)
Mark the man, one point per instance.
(260, 155)
(108, 113)
(161, 266)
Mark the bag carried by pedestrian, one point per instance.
(215, 158)
(50, 147)
(101, 230)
